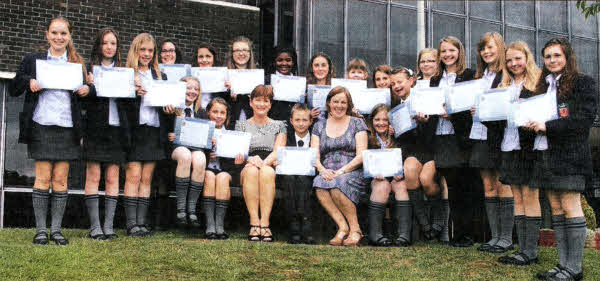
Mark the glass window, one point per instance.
(553, 15)
(586, 52)
(367, 32)
(18, 168)
(478, 29)
(582, 26)
(486, 9)
(450, 6)
(520, 12)
(407, 3)
(447, 26)
(404, 41)
(328, 30)
(518, 34)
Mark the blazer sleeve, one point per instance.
(581, 113)
(25, 73)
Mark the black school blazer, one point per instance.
(461, 121)
(20, 85)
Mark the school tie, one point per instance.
(300, 143)
(188, 112)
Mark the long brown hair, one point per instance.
(373, 142)
(461, 61)
(133, 57)
(339, 90)
(310, 77)
(96, 56)
(570, 72)
(384, 68)
(231, 63)
(224, 103)
(72, 54)
(499, 64)
(532, 71)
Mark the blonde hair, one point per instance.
(421, 53)
(197, 102)
(231, 63)
(133, 56)
(532, 71)
(461, 61)
(72, 55)
(499, 64)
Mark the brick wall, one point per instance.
(23, 23)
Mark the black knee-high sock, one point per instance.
(91, 202)
(520, 228)
(562, 247)
(110, 205)
(416, 199)
(437, 214)
(532, 236)
(130, 211)
(58, 204)
(506, 206)
(220, 212)
(376, 214)
(208, 204)
(181, 189)
(491, 208)
(403, 215)
(445, 211)
(39, 199)
(143, 203)
(193, 194)
(575, 229)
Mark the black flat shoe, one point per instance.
(210, 236)
(547, 274)
(309, 240)
(100, 236)
(112, 236)
(401, 242)
(222, 236)
(59, 239)
(432, 234)
(40, 238)
(514, 260)
(463, 242)
(181, 222)
(485, 247)
(194, 223)
(145, 231)
(566, 275)
(496, 249)
(295, 239)
(134, 231)
(381, 242)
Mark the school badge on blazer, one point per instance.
(563, 110)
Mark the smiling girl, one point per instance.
(241, 56)
(285, 63)
(320, 71)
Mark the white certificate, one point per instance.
(114, 82)
(243, 81)
(296, 161)
(175, 72)
(422, 84)
(429, 101)
(163, 93)
(316, 95)
(349, 84)
(231, 143)
(461, 96)
(288, 88)
(58, 75)
(366, 99)
(212, 79)
(401, 120)
(493, 105)
(194, 133)
(382, 162)
(540, 108)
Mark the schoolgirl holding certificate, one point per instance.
(427, 64)
(188, 188)
(521, 74)
(381, 76)
(448, 135)
(285, 63)
(380, 137)
(206, 56)
(563, 153)
(241, 56)
(485, 154)
(104, 140)
(148, 131)
(50, 125)
(320, 71)
(220, 174)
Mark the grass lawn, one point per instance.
(180, 256)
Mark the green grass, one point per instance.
(179, 256)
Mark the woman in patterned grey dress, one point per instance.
(340, 140)
(258, 176)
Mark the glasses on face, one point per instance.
(167, 51)
(243, 51)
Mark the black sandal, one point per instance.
(40, 238)
(222, 236)
(485, 247)
(513, 260)
(381, 242)
(210, 236)
(255, 237)
(501, 250)
(59, 239)
(569, 275)
(99, 236)
(547, 274)
(267, 239)
(112, 236)
(401, 242)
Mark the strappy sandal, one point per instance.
(381, 242)
(267, 230)
(547, 274)
(485, 247)
(338, 240)
(210, 236)
(401, 242)
(255, 237)
(222, 236)
(59, 239)
(496, 249)
(568, 274)
(40, 238)
(351, 241)
(514, 260)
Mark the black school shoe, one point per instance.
(501, 250)
(381, 242)
(40, 238)
(59, 239)
(464, 241)
(514, 260)
(485, 247)
(566, 275)
(546, 274)
(295, 239)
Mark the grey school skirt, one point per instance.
(52, 143)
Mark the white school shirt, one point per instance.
(444, 126)
(148, 114)
(54, 106)
(511, 141)
(113, 113)
(305, 140)
(541, 141)
(478, 130)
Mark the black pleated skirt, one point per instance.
(420, 152)
(480, 155)
(542, 177)
(53, 143)
(514, 169)
(104, 146)
(146, 145)
(448, 153)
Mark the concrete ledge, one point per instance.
(228, 4)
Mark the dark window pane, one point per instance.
(478, 29)
(586, 52)
(19, 169)
(450, 6)
(486, 9)
(328, 30)
(367, 32)
(582, 26)
(553, 15)
(407, 3)
(544, 37)
(517, 34)
(447, 26)
(404, 41)
(520, 12)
